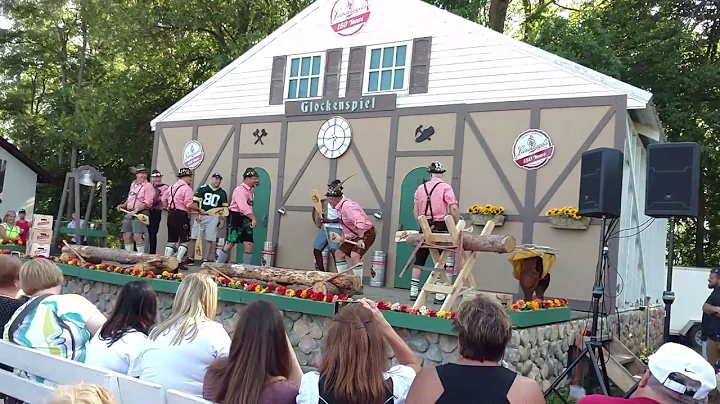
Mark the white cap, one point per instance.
(676, 358)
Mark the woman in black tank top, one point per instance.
(484, 330)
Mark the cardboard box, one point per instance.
(39, 250)
(42, 222)
(505, 299)
(40, 236)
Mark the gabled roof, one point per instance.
(469, 64)
(43, 176)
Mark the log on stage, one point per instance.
(475, 242)
(346, 284)
(95, 254)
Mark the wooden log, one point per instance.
(67, 257)
(349, 283)
(91, 254)
(475, 242)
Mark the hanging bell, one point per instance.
(87, 179)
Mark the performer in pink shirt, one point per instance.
(179, 201)
(156, 209)
(242, 218)
(435, 199)
(356, 226)
(139, 200)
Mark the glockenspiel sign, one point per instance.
(532, 149)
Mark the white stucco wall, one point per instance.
(19, 189)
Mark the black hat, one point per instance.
(250, 172)
(715, 271)
(156, 173)
(21, 211)
(139, 169)
(217, 175)
(436, 167)
(335, 189)
(184, 172)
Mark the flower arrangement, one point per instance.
(422, 311)
(570, 212)
(11, 242)
(487, 210)
(535, 305)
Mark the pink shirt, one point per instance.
(243, 198)
(158, 199)
(600, 399)
(140, 192)
(178, 197)
(440, 199)
(355, 222)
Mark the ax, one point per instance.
(223, 211)
(336, 238)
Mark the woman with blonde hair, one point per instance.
(9, 230)
(82, 394)
(188, 341)
(354, 365)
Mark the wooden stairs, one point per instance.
(623, 367)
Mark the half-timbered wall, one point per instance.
(474, 142)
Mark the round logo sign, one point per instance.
(532, 149)
(193, 154)
(347, 17)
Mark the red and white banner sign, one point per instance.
(193, 154)
(348, 17)
(532, 149)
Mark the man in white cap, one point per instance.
(676, 375)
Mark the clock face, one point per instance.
(334, 137)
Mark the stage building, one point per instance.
(395, 85)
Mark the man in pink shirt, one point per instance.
(676, 375)
(179, 201)
(242, 218)
(156, 209)
(435, 199)
(356, 226)
(139, 200)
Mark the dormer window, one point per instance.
(387, 68)
(304, 79)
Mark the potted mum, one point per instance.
(480, 215)
(567, 218)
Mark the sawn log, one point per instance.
(349, 283)
(93, 254)
(475, 242)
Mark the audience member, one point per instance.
(82, 394)
(23, 224)
(55, 324)
(484, 329)
(9, 231)
(121, 341)
(676, 375)
(275, 374)
(354, 365)
(9, 287)
(189, 341)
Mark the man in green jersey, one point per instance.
(209, 196)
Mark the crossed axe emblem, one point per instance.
(259, 135)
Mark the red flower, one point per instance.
(225, 281)
(281, 290)
(342, 297)
(404, 308)
(452, 316)
(382, 306)
(150, 274)
(271, 288)
(89, 265)
(299, 291)
(547, 305)
(432, 313)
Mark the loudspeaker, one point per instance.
(673, 180)
(601, 183)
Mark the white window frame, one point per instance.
(321, 82)
(408, 65)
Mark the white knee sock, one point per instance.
(359, 271)
(182, 250)
(247, 258)
(140, 248)
(341, 266)
(222, 257)
(130, 247)
(169, 251)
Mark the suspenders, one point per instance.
(172, 205)
(428, 204)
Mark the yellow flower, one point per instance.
(291, 293)
(535, 306)
(180, 276)
(577, 217)
(500, 210)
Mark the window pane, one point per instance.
(373, 79)
(314, 83)
(303, 93)
(400, 56)
(305, 67)
(388, 57)
(375, 59)
(399, 81)
(316, 65)
(294, 67)
(386, 80)
(292, 89)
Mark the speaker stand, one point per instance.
(668, 294)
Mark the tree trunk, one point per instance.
(700, 230)
(92, 254)
(349, 283)
(472, 242)
(498, 14)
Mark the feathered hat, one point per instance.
(335, 188)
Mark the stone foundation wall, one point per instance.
(540, 353)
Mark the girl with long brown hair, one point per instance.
(354, 366)
(261, 368)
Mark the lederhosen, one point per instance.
(239, 227)
(155, 219)
(326, 398)
(178, 221)
(440, 227)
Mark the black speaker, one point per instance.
(601, 183)
(673, 180)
